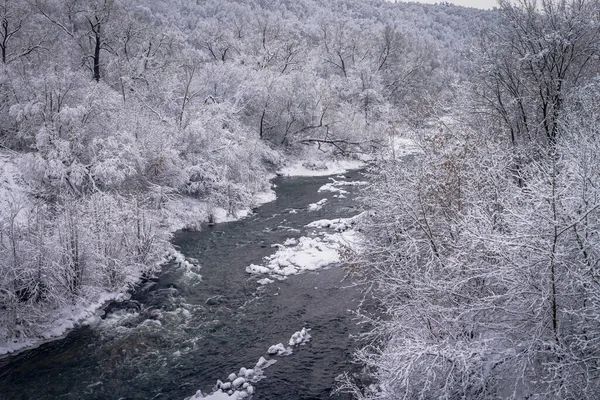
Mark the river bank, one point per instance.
(179, 213)
(178, 334)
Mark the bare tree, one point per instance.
(84, 21)
(14, 41)
(540, 53)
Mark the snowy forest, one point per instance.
(124, 120)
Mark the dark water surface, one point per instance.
(179, 334)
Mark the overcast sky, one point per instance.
(467, 3)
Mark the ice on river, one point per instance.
(338, 224)
(335, 186)
(317, 206)
(310, 253)
(299, 338)
(238, 385)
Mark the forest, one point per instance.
(122, 121)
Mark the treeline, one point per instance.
(111, 110)
(483, 250)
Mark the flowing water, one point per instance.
(179, 334)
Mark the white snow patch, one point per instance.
(300, 338)
(188, 212)
(64, 321)
(280, 350)
(321, 168)
(338, 224)
(308, 255)
(315, 162)
(335, 186)
(317, 206)
(330, 187)
(295, 256)
(402, 146)
(239, 385)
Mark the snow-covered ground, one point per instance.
(321, 168)
(315, 162)
(90, 312)
(181, 212)
(337, 224)
(239, 385)
(13, 197)
(402, 146)
(188, 213)
(67, 319)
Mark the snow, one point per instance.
(13, 198)
(66, 319)
(280, 350)
(317, 206)
(334, 186)
(315, 162)
(188, 213)
(338, 224)
(321, 168)
(240, 383)
(237, 382)
(300, 338)
(310, 253)
(330, 187)
(402, 146)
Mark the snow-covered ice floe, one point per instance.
(317, 206)
(337, 224)
(239, 385)
(309, 253)
(299, 338)
(335, 186)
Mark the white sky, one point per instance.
(485, 4)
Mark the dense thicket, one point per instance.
(483, 250)
(112, 109)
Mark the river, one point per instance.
(179, 334)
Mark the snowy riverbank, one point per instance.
(179, 213)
